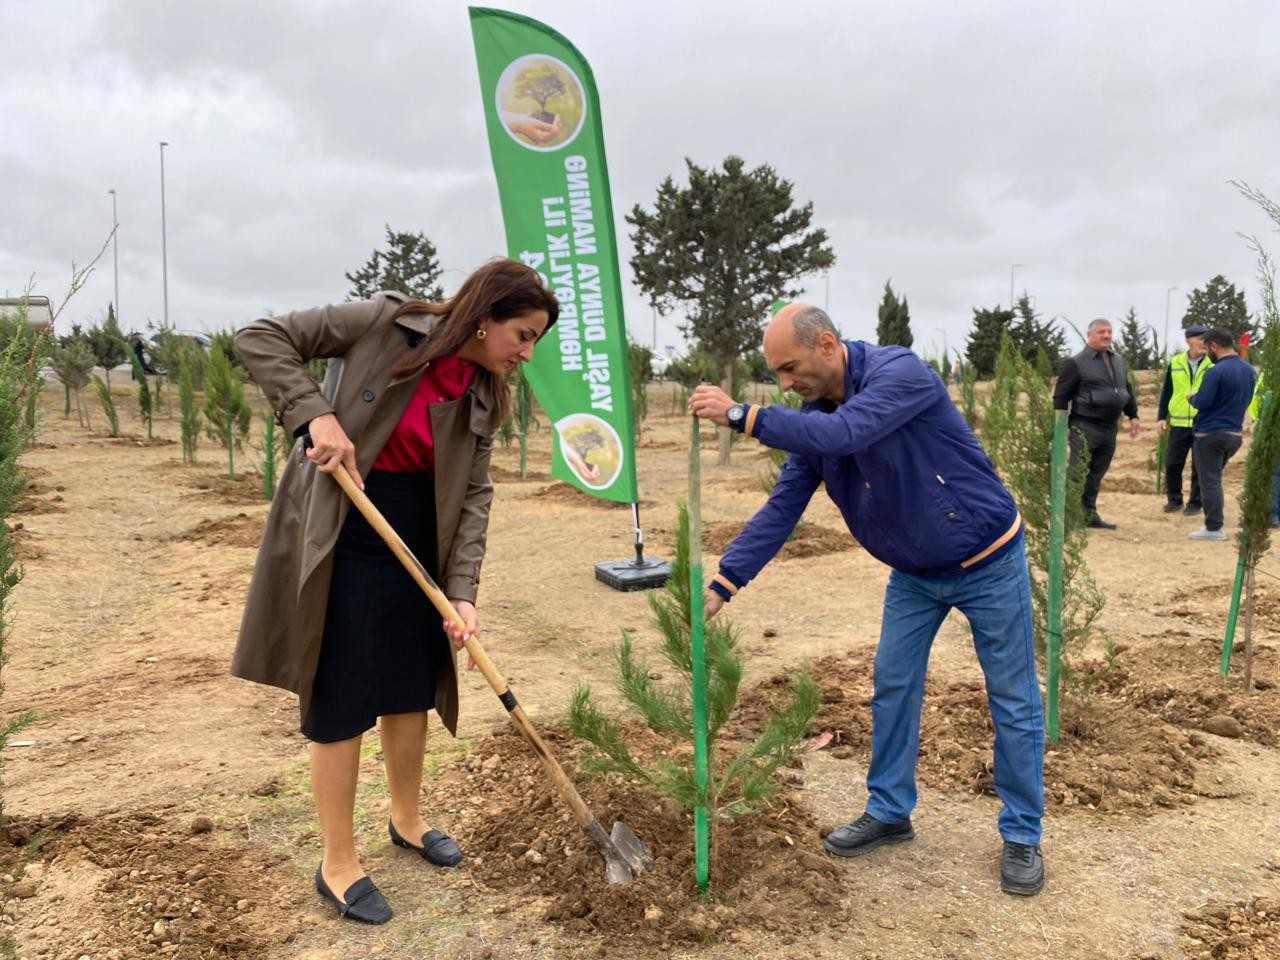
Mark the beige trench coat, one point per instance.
(280, 633)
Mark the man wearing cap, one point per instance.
(1095, 385)
(917, 491)
(1182, 377)
(1221, 401)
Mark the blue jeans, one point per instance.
(997, 602)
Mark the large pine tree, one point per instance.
(989, 327)
(1219, 304)
(408, 265)
(723, 249)
(894, 326)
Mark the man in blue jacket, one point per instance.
(1220, 401)
(918, 493)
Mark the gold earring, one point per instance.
(480, 334)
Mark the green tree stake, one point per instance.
(1057, 526)
(701, 852)
(522, 402)
(269, 461)
(231, 447)
(1232, 612)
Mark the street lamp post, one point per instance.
(1011, 272)
(1166, 318)
(826, 298)
(115, 248)
(164, 240)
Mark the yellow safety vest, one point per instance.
(1255, 405)
(1181, 412)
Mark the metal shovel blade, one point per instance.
(635, 856)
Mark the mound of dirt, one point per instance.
(503, 475)
(245, 489)
(1178, 682)
(519, 839)
(30, 501)
(564, 493)
(1233, 931)
(141, 887)
(241, 530)
(809, 540)
(129, 440)
(1112, 756)
(1130, 484)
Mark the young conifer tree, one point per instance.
(1263, 458)
(108, 405)
(739, 783)
(190, 412)
(225, 407)
(1017, 433)
(145, 407)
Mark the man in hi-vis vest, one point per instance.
(1175, 414)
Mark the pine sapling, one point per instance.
(189, 421)
(225, 407)
(108, 405)
(739, 784)
(1263, 458)
(1017, 433)
(144, 393)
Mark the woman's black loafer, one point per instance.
(437, 847)
(363, 901)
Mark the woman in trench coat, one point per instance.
(412, 396)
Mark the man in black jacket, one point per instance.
(1095, 383)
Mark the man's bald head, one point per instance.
(803, 322)
(802, 346)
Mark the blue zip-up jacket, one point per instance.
(1224, 395)
(915, 487)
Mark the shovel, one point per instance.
(624, 853)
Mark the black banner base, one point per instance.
(647, 574)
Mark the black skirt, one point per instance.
(384, 646)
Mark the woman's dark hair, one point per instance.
(499, 291)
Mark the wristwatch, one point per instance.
(737, 416)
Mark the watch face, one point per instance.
(735, 412)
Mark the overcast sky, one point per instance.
(939, 142)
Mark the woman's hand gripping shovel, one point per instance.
(624, 853)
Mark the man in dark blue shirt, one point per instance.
(1223, 398)
(879, 431)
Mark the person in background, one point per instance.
(1094, 385)
(1175, 414)
(1221, 402)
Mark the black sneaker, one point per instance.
(1099, 524)
(865, 834)
(1172, 507)
(1021, 869)
(1191, 509)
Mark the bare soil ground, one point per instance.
(158, 807)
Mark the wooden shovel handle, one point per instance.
(586, 819)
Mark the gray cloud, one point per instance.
(940, 143)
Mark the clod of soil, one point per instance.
(1234, 931)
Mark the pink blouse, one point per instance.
(411, 448)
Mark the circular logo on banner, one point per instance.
(591, 447)
(540, 102)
